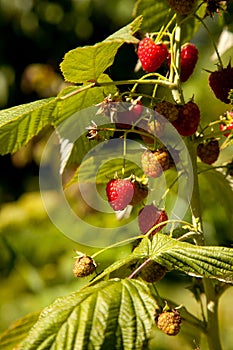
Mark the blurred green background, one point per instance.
(36, 259)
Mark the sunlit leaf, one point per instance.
(19, 124)
(17, 332)
(200, 261)
(89, 62)
(115, 313)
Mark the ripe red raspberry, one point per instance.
(183, 7)
(227, 123)
(125, 119)
(188, 119)
(152, 272)
(188, 60)
(208, 151)
(168, 110)
(150, 216)
(151, 55)
(84, 266)
(120, 193)
(221, 82)
(169, 322)
(140, 193)
(154, 163)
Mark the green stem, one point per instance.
(212, 330)
(165, 83)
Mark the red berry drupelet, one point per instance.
(221, 82)
(188, 60)
(188, 119)
(120, 193)
(151, 55)
(150, 216)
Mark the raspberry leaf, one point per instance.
(18, 331)
(19, 124)
(119, 312)
(89, 62)
(205, 261)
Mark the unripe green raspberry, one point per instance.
(169, 322)
(84, 266)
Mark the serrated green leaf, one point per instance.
(71, 101)
(158, 13)
(17, 332)
(89, 62)
(19, 124)
(115, 314)
(199, 261)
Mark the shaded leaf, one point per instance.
(17, 332)
(89, 62)
(116, 313)
(19, 124)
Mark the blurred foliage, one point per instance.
(36, 259)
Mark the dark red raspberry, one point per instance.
(120, 193)
(150, 216)
(84, 266)
(208, 151)
(125, 119)
(140, 193)
(188, 119)
(169, 322)
(151, 55)
(155, 163)
(183, 7)
(221, 82)
(188, 60)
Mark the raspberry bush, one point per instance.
(143, 145)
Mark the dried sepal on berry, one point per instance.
(84, 266)
(169, 322)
